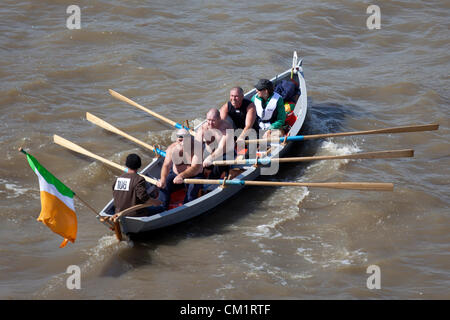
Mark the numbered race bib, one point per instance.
(122, 184)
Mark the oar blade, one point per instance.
(153, 113)
(362, 186)
(119, 96)
(105, 125)
(74, 147)
(102, 123)
(403, 129)
(387, 154)
(135, 104)
(416, 128)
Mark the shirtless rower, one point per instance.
(217, 136)
(180, 162)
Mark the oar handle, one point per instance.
(415, 128)
(74, 147)
(388, 154)
(156, 115)
(105, 125)
(367, 186)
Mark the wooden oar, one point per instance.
(74, 147)
(363, 155)
(160, 117)
(369, 186)
(105, 125)
(418, 128)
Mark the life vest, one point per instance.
(266, 115)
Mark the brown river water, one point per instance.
(180, 58)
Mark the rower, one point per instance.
(241, 111)
(130, 189)
(180, 162)
(270, 111)
(216, 136)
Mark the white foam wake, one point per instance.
(280, 200)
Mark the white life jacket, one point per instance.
(265, 115)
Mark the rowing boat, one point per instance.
(207, 202)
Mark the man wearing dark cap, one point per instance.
(130, 189)
(270, 111)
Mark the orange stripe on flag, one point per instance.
(58, 217)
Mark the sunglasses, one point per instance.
(180, 137)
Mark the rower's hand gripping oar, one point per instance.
(74, 147)
(367, 186)
(362, 155)
(105, 125)
(416, 128)
(160, 117)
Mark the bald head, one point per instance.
(213, 118)
(213, 113)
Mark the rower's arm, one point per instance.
(225, 144)
(141, 191)
(199, 134)
(224, 112)
(281, 116)
(249, 119)
(192, 171)
(167, 165)
(195, 168)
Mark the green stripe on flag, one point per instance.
(50, 178)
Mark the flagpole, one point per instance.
(114, 226)
(84, 202)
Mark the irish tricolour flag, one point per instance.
(57, 208)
